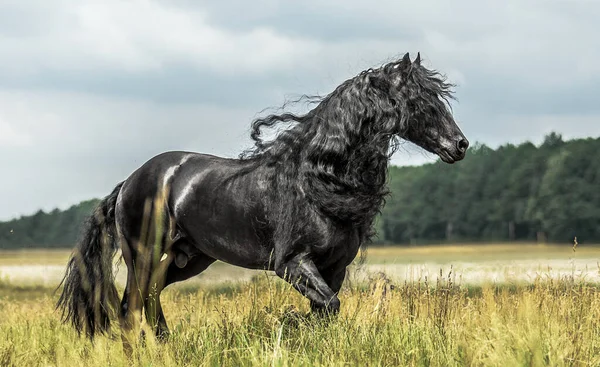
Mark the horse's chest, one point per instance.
(341, 248)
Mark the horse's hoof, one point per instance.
(163, 336)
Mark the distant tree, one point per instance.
(55, 229)
(515, 192)
(511, 193)
(552, 140)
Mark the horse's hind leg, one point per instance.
(155, 316)
(154, 313)
(131, 305)
(145, 281)
(169, 271)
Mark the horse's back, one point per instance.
(151, 179)
(217, 209)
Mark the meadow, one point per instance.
(488, 305)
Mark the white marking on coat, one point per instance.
(188, 189)
(170, 172)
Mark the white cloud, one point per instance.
(9, 136)
(82, 102)
(78, 146)
(144, 36)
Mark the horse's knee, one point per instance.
(282, 271)
(288, 270)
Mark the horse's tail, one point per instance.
(89, 297)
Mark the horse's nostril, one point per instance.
(462, 145)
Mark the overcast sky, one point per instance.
(90, 90)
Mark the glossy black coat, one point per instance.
(301, 204)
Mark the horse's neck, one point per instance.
(367, 168)
(355, 192)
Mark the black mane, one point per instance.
(337, 153)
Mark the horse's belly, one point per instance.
(231, 247)
(227, 234)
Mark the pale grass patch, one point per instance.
(424, 322)
(418, 315)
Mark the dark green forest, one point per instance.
(55, 229)
(545, 193)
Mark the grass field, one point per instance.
(432, 315)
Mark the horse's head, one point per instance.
(421, 110)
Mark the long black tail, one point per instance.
(89, 297)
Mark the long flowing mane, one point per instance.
(362, 97)
(336, 155)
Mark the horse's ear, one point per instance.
(405, 60)
(418, 59)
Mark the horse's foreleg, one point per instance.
(302, 273)
(334, 278)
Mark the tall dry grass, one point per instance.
(263, 323)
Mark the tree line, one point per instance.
(58, 228)
(545, 193)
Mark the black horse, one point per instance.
(300, 204)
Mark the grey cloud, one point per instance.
(332, 24)
(171, 85)
(82, 145)
(497, 96)
(91, 115)
(20, 19)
